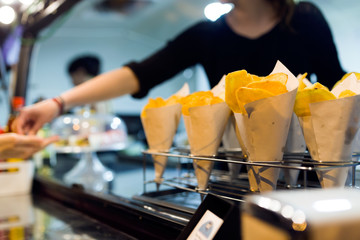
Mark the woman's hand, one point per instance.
(33, 117)
(13, 145)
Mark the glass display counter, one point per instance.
(131, 201)
(37, 217)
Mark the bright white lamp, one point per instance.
(214, 10)
(7, 14)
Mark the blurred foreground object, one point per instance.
(305, 214)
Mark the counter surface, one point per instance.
(36, 217)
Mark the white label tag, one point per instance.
(207, 227)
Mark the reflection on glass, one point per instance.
(88, 134)
(332, 205)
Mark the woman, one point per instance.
(252, 36)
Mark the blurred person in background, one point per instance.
(83, 68)
(252, 36)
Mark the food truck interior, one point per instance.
(121, 196)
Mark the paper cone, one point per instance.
(230, 141)
(219, 89)
(330, 131)
(205, 127)
(329, 134)
(263, 131)
(160, 125)
(356, 149)
(159, 165)
(295, 143)
(355, 157)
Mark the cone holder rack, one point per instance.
(222, 186)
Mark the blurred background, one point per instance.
(122, 30)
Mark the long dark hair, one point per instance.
(284, 9)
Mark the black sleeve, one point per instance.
(317, 34)
(177, 55)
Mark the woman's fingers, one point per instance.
(50, 140)
(21, 146)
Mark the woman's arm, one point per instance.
(135, 79)
(102, 87)
(105, 86)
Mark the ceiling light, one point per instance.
(7, 1)
(214, 10)
(26, 2)
(7, 15)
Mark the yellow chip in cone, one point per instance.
(274, 87)
(272, 100)
(160, 102)
(318, 85)
(234, 81)
(196, 99)
(205, 126)
(256, 78)
(315, 93)
(346, 93)
(277, 77)
(205, 118)
(246, 95)
(172, 100)
(302, 85)
(274, 84)
(316, 122)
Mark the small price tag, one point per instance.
(207, 227)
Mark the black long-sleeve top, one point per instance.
(305, 46)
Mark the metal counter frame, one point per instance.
(221, 186)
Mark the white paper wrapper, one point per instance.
(350, 82)
(295, 143)
(219, 89)
(184, 91)
(264, 129)
(330, 131)
(230, 142)
(160, 126)
(205, 127)
(329, 134)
